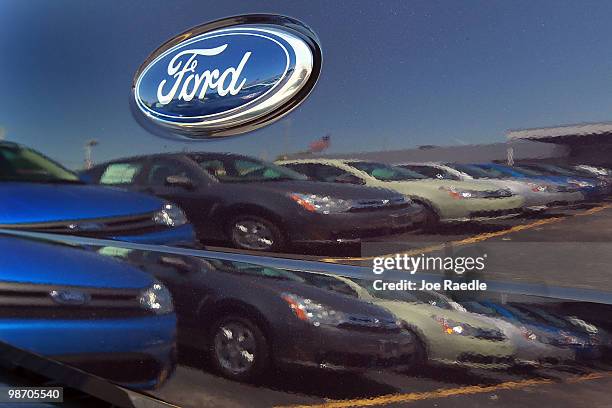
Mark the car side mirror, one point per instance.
(179, 181)
(348, 178)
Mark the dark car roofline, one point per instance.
(167, 155)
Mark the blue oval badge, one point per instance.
(229, 77)
(69, 297)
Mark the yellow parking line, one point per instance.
(445, 393)
(471, 240)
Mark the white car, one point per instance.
(538, 195)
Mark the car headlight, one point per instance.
(157, 299)
(542, 188)
(170, 215)
(463, 329)
(321, 204)
(458, 193)
(312, 312)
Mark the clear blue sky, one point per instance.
(396, 74)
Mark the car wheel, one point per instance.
(255, 233)
(239, 349)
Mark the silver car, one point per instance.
(538, 195)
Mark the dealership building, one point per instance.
(588, 143)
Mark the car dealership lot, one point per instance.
(583, 230)
(548, 248)
(430, 387)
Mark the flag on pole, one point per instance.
(321, 144)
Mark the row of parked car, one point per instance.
(122, 314)
(103, 307)
(186, 198)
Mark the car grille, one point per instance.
(23, 300)
(99, 227)
(501, 193)
(368, 323)
(378, 204)
(495, 213)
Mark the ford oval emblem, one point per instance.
(69, 297)
(228, 77)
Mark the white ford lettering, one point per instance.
(182, 68)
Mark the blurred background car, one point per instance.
(246, 319)
(444, 200)
(557, 335)
(588, 187)
(602, 184)
(538, 195)
(95, 313)
(259, 206)
(41, 195)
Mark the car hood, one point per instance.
(35, 202)
(461, 185)
(37, 262)
(343, 191)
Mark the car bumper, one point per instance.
(179, 236)
(344, 349)
(139, 352)
(480, 209)
(354, 226)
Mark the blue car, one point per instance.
(590, 188)
(41, 195)
(92, 312)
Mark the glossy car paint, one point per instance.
(74, 207)
(79, 341)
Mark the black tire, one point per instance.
(222, 356)
(419, 359)
(249, 240)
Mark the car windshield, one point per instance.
(385, 172)
(551, 169)
(21, 164)
(473, 171)
(526, 171)
(231, 169)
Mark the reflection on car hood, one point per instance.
(338, 302)
(344, 191)
(461, 185)
(35, 262)
(36, 202)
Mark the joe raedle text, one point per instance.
(446, 284)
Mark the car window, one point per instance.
(385, 172)
(235, 170)
(431, 172)
(20, 164)
(162, 169)
(121, 173)
(322, 172)
(472, 171)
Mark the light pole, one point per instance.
(88, 153)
